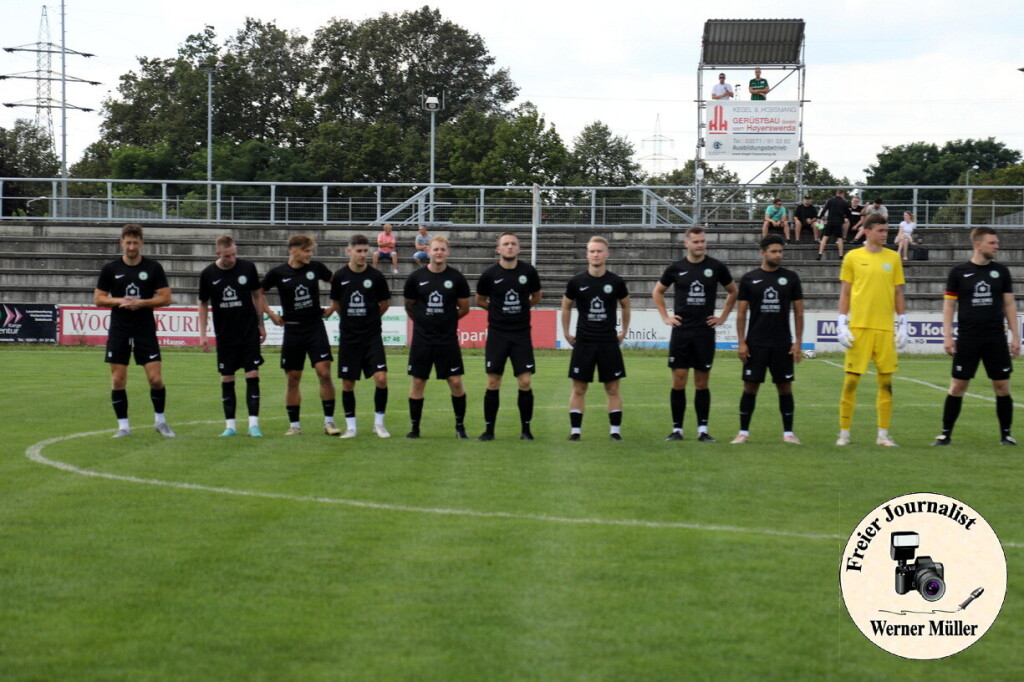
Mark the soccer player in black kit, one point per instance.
(596, 294)
(696, 278)
(507, 290)
(298, 284)
(132, 286)
(230, 287)
(360, 294)
(768, 294)
(436, 298)
(981, 293)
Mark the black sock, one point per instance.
(492, 399)
(576, 419)
(748, 401)
(415, 413)
(459, 407)
(950, 412)
(677, 399)
(227, 397)
(328, 407)
(380, 400)
(293, 413)
(702, 405)
(787, 406)
(615, 418)
(252, 395)
(526, 408)
(1004, 411)
(120, 401)
(348, 403)
(159, 398)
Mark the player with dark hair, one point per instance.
(231, 288)
(360, 295)
(436, 298)
(507, 290)
(769, 293)
(981, 293)
(696, 278)
(597, 293)
(872, 291)
(298, 284)
(132, 286)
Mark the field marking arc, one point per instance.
(35, 453)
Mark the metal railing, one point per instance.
(351, 204)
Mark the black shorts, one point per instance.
(446, 359)
(121, 346)
(502, 346)
(243, 356)
(606, 357)
(993, 351)
(361, 358)
(302, 341)
(763, 359)
(692, 348)
(832, 231)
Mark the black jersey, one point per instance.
(229, 293)
(803, 212)
(854, 213)
(769, 296)
(299, 290)
(437, 294)
(121, 280)
(696, 288)
(597, 300)
(359, 295)
(508, 292)
(835, 210)
(978, 290)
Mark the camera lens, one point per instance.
(930, 585)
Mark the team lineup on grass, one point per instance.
(872, 326)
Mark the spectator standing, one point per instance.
(758, 87)
(722, 90)
(834, 213)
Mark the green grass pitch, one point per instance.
(312, 558)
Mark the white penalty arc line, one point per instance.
(35, 453)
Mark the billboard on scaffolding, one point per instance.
(752, 131)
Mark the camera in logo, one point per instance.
(923, 575)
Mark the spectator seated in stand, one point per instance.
(775, 217)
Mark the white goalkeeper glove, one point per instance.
(902, 333)
(843, 334)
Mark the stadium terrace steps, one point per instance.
(59, 263)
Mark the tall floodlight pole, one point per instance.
(970, 194)
(433, 105)
(209, 138)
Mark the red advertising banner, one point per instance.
(473, 329)
(88, 326)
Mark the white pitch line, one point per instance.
(930, 385)
(35, 453)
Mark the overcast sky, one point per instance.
(878, 72)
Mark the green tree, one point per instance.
(525, 151)
(378, 69)
(26, 151)
(923, 163)
(718, 185)
(814, 174)
(600, 158)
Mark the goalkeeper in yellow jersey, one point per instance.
(872, 293)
